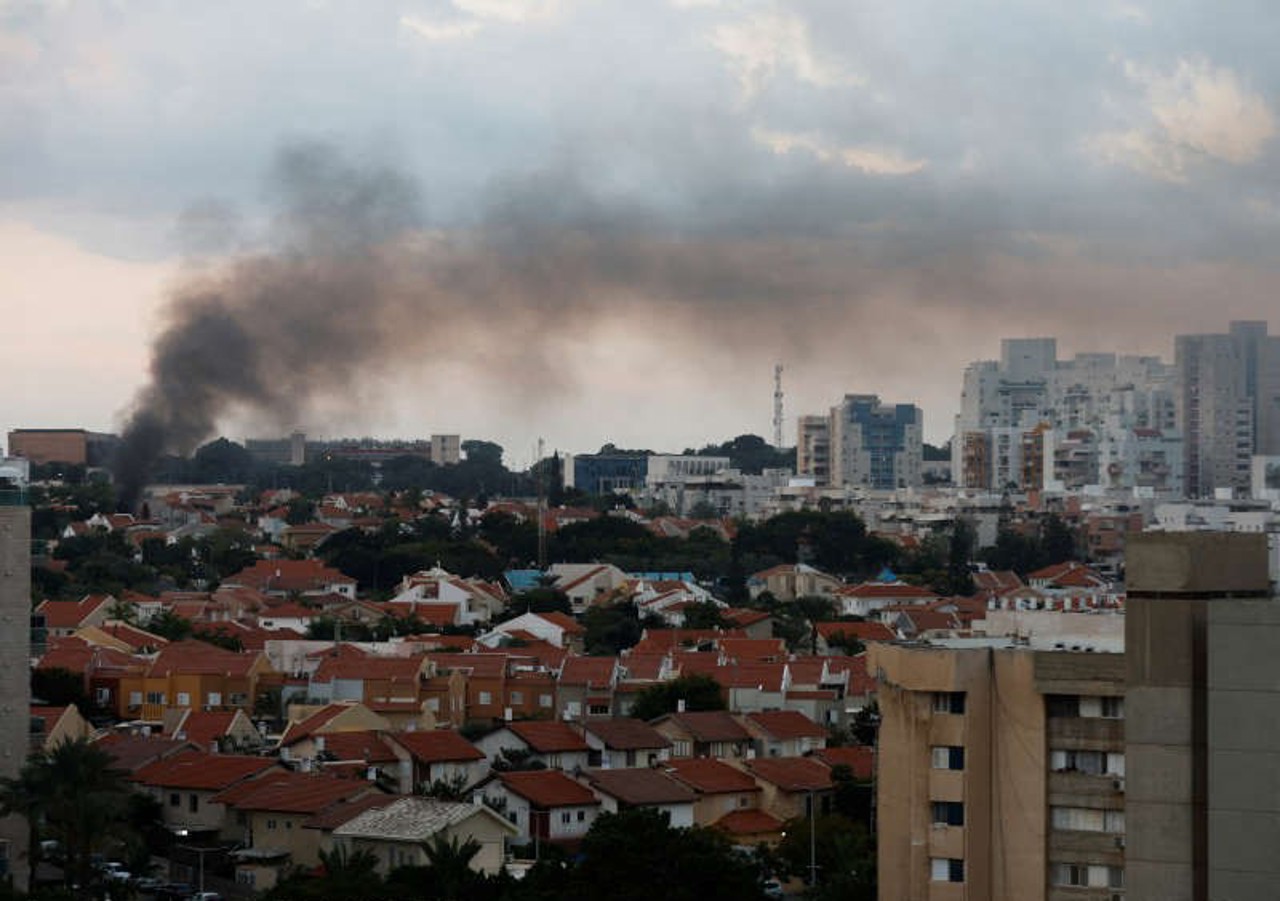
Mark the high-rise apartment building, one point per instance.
(1000, 772)
(15, 654)
(1032, 421)
(863, 443)
(1228, 391)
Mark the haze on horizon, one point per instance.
(644, 205)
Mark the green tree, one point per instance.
(813, 609)
(698, 691)
(705, 615)
(611, 628)
(170, 625)
(626, 855)
(843, 851)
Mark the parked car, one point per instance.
(114, 871)
(148, 885)
(175, 891)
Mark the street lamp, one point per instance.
(183, 833)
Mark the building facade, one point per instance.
(15, 674)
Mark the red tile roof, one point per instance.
(204, 726)
(372, 667)
(365, 745)
(786, 724)
(748, 823)
(437, 745)
(344, 811)
(626, 734)
(548, 736)
(710, 776)
(71, 614)
(199, 657)
(566, 622)
(791, 773)
(293, 793)
(131, 752)
(859, 758)
(200, 771)
(289, 575)
(753, 650)
(639, 786)
(885, 590)
(295, 732)
(864, 631)
(593, 672)
(549, 788)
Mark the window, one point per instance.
(175, 799)
(239, 699)
(946, 869)
(214, 699)
(1091, 763)
(155, 697)
(582, 816)
(517, 697)
(948, 757)
(1076, 874)
(271, 824)
(680, 747)
(1113, 708)
(544, 700)
(102, 696)
(573, 708)
(1087, 819)
(135, 699)
(484, 698)
(1113, 821)
(948, 813)
(184, 699)
(1062, 705)
(433, 704)
(1080, 875)
(193, 803)
(598, 709)
(566, 817)
(948, 702)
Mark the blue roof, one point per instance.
(886, 575)
(522, 579)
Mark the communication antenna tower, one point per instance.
(777, 405)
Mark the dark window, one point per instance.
(955, 870)
(948, 702)
(1062, 705)
(948, 813)
(175, 799)
(193, 803)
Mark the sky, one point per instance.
(608, 221)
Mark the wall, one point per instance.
(15, 651)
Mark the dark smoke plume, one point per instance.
(352, 282)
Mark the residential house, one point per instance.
(544, 805)
(554, 744)
(789, 581)
(791, 784)
(586, 584)
(476, 601)
(752, 687)
(301, 578)
(193, 674)
(721, 789)
(64, 618)
(186, 784)
(287, 616)
(626, 789)
(755, 623)
(270, 814)
(784, 733)
(438, 755)
(377, 681)
(51, 726)
(585, 686)
(130, 752)
(860, 759)
(866, 598)
(836, 636)
(623, 742)
(397, 834)
(302, 738)
(704, 733)
(554, 627)
(213, 730)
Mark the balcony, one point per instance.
(946, 841)
(1086, 733)
(1075, 789)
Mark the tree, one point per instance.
(627, 854)
(170, 625)
(449, 867)
(1058, 542)
(843, 851)
(698, 691)
(611, 628)
(959, 576)
(813, 609)
(477, 451)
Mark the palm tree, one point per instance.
(24, 796)
(449, 864)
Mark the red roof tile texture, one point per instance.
(549, 788)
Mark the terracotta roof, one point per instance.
(198, 770)
(566, 622)
(335, 816)
(70, 614)
(709, 725)
(626, 734)
(762, 676)
(863, 631)
(639, 786)
(791, 773)
(754, 650)
(131, 752)
(289, 575)
(293, 793)
(204, 726)
(201, 657)
(135, 638)
(548, 736)
(365, 745)
(594, 672)
(371, 667)
(437, 745)
(859, 758)
(748, 822)
(1069, 575)
(744, 616)
(644, 666)
(786, 724)
(303, 728)
(549, 788)
(710, 776)
(885, 590)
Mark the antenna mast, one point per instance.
(777, 406)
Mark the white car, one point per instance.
(114, 871)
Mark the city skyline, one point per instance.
(858, 194)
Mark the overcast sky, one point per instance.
(659, 200)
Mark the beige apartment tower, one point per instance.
(1000, 773)
(15, 667)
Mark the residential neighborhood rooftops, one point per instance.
(412, 819)
(708, 725)
(791, 773)
(626, 734)
(748, 822)
(548, 788)
(548, 736)
(199, 770)
(293, 793)
(710, 776)
(638, 786)
(437, 746)
(786, 724)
